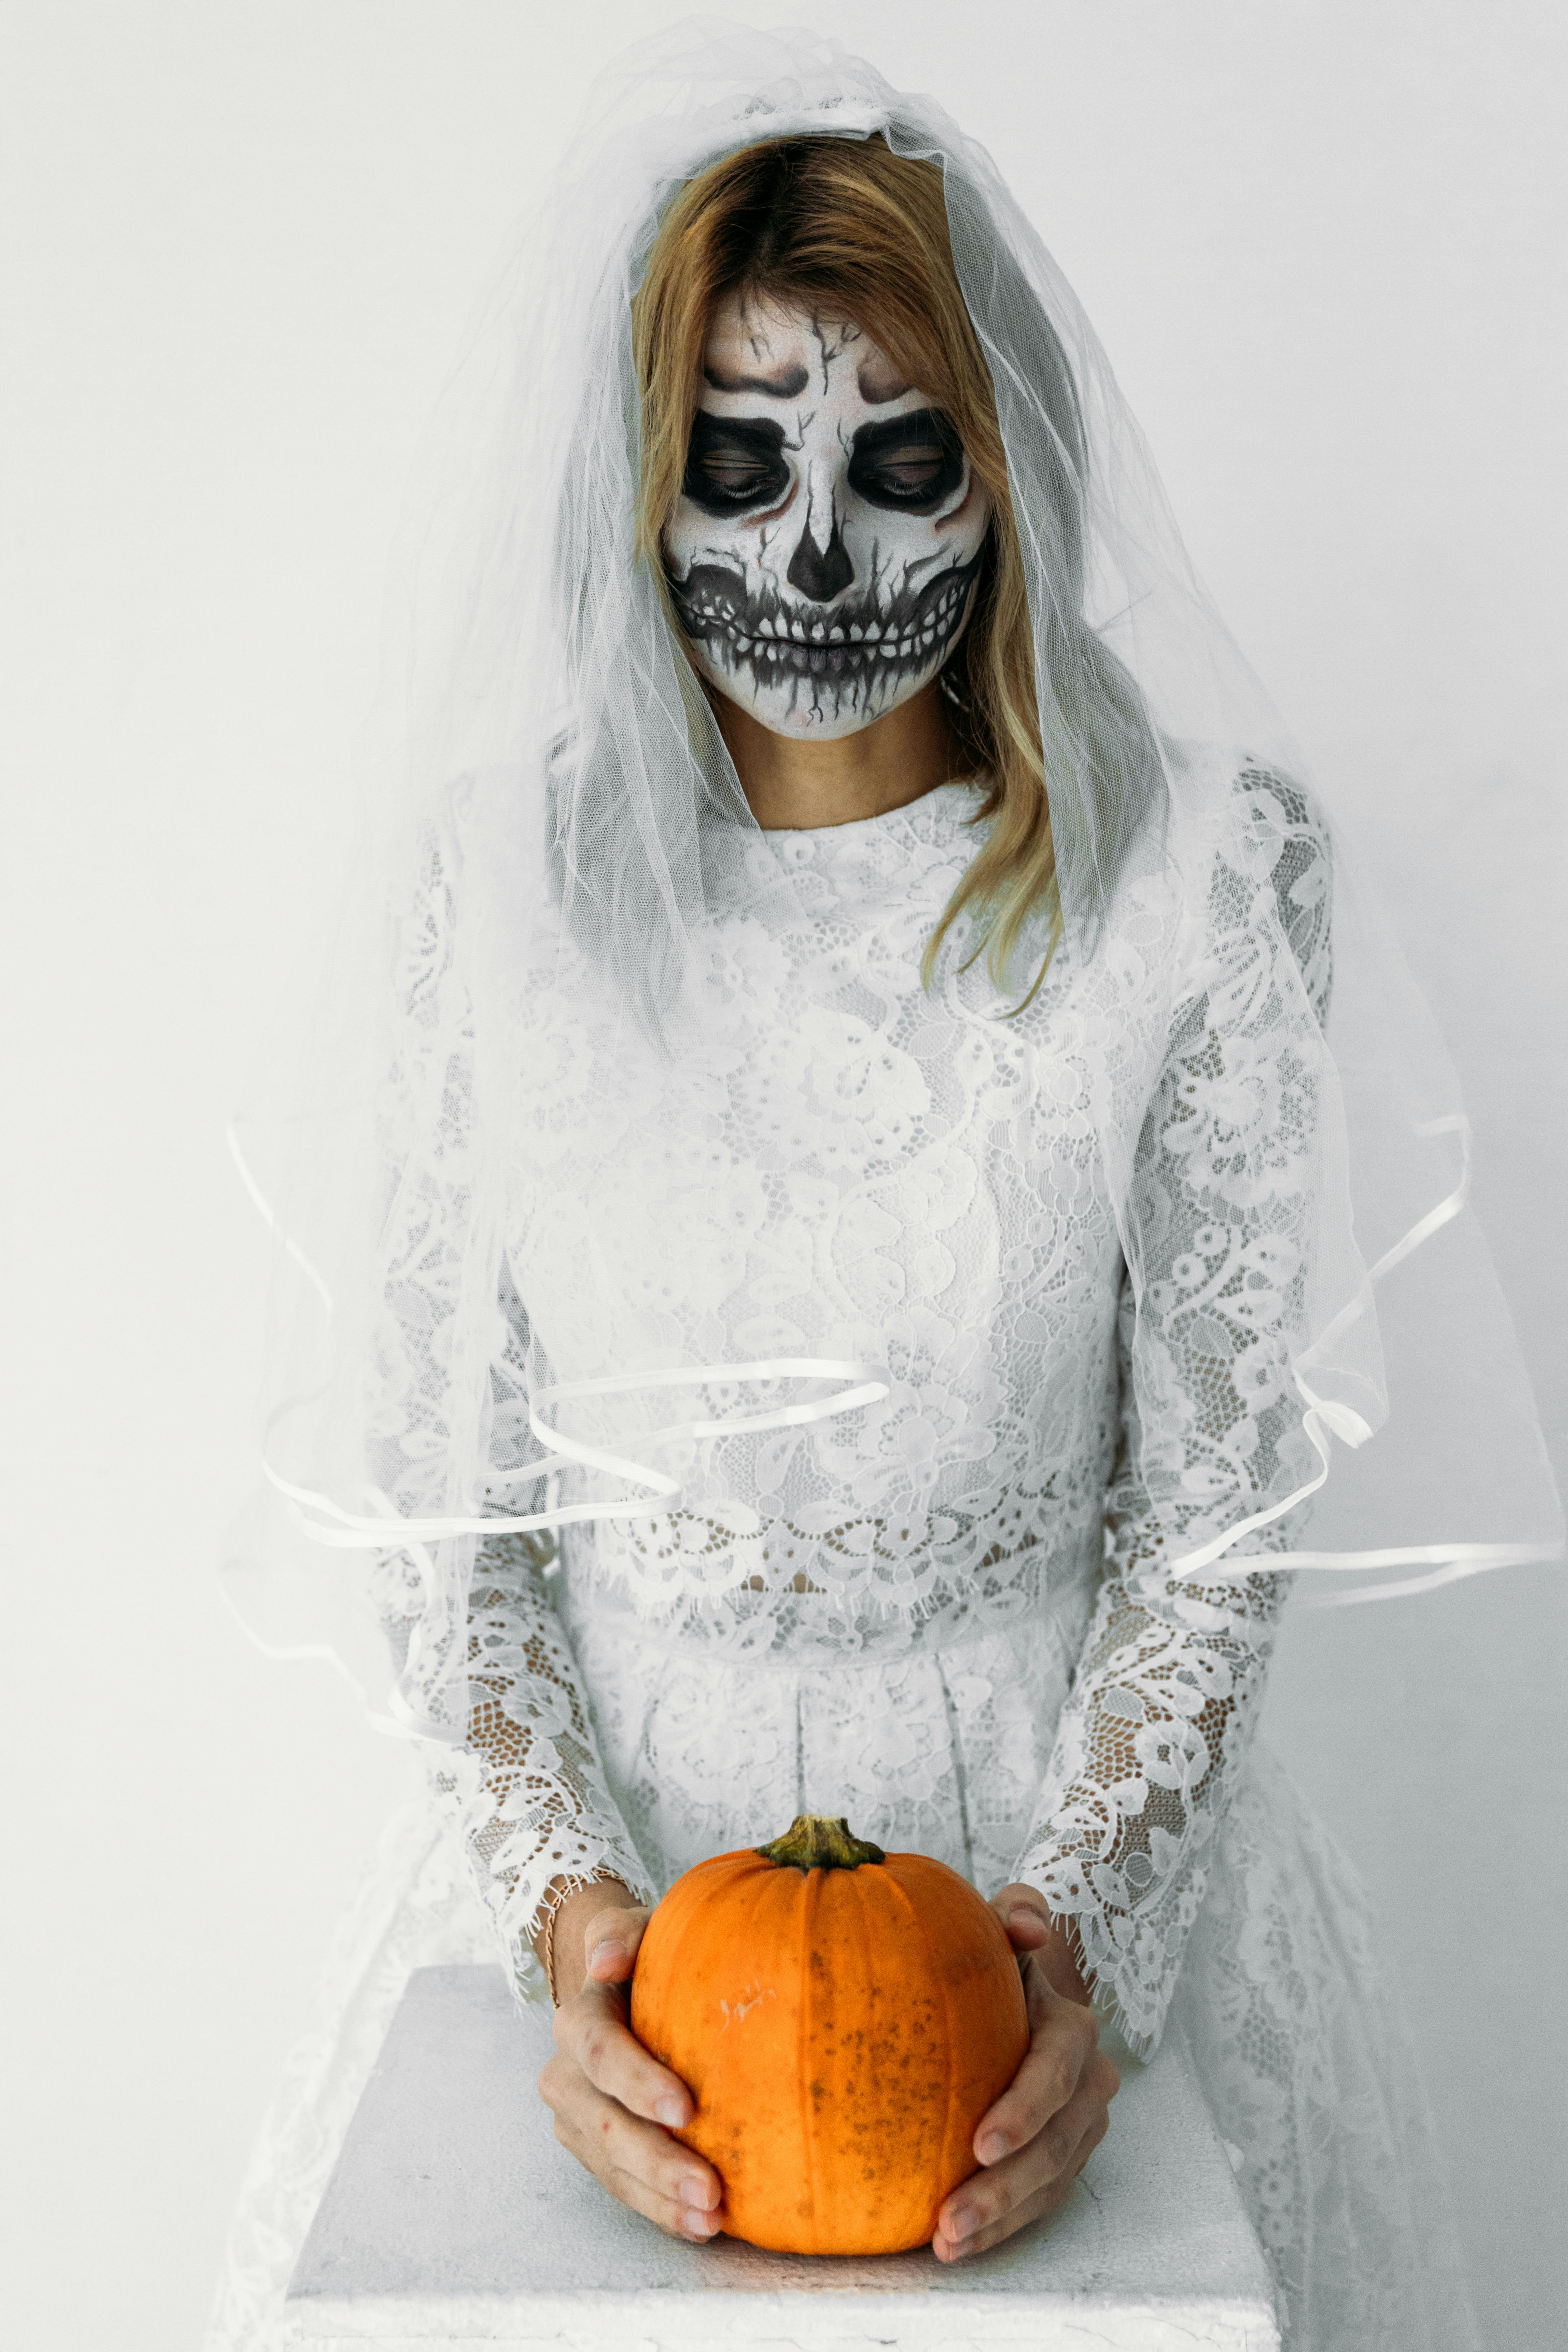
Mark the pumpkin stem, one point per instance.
(820, 1842)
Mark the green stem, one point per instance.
(820, 1842)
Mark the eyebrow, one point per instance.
(876, 399)
(785, 383)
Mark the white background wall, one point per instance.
(237, 246)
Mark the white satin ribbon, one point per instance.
(381, 1528)
(867, 1384)
(327, 1522)
(269, 1216)
(1325, 1415)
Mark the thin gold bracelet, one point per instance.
(549, 1953)
(600, 1878)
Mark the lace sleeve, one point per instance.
(528, 1793)
(525, 1789)
(1166, 1694)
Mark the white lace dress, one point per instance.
(947, 1615)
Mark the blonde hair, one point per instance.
(861, 232)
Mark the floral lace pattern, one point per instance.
(1172, 1667)
(1308, 2072)
(529, 1786)
(851, 1165)
(953, 1615)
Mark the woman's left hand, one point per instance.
(1035, 2140)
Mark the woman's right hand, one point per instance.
(615, 2105)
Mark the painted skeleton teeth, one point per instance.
(769, 636)
(858, 657)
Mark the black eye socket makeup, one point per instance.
(912, 463)
(733, 463)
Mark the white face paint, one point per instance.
(824, 552)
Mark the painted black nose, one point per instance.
(821, 572)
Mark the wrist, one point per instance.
(560, 1941)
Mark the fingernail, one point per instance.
(700, 2225)
(962, 2221)
(990, 2148)
(670, 2112)
(606, 1950)
(695, 2193)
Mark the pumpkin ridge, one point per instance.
(782, 1898)
(869, 1976)
(810, 1890)
(750, 1938)
(937, 1971)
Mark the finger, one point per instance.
(693, 2227)
(629, 2155)
(592, 2033)
(1053, 2065)
(1056, 2149)
(610, 1942)
(1055, 2153)
(676, 2215)
(1046, 2199)
(1024, 1914)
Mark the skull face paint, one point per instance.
(824, 552)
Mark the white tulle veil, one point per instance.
(547, 794)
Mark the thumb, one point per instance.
(610, 1942)
(1023, 1913)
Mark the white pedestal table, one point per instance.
(454, 2221)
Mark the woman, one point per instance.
(866, 978)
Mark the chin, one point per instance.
(815, 709)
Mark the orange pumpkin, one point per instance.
(843, 2018)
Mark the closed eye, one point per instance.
(915, 462)
(735, 463)
(733, 477)
(912, 471)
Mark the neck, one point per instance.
(793, 786)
